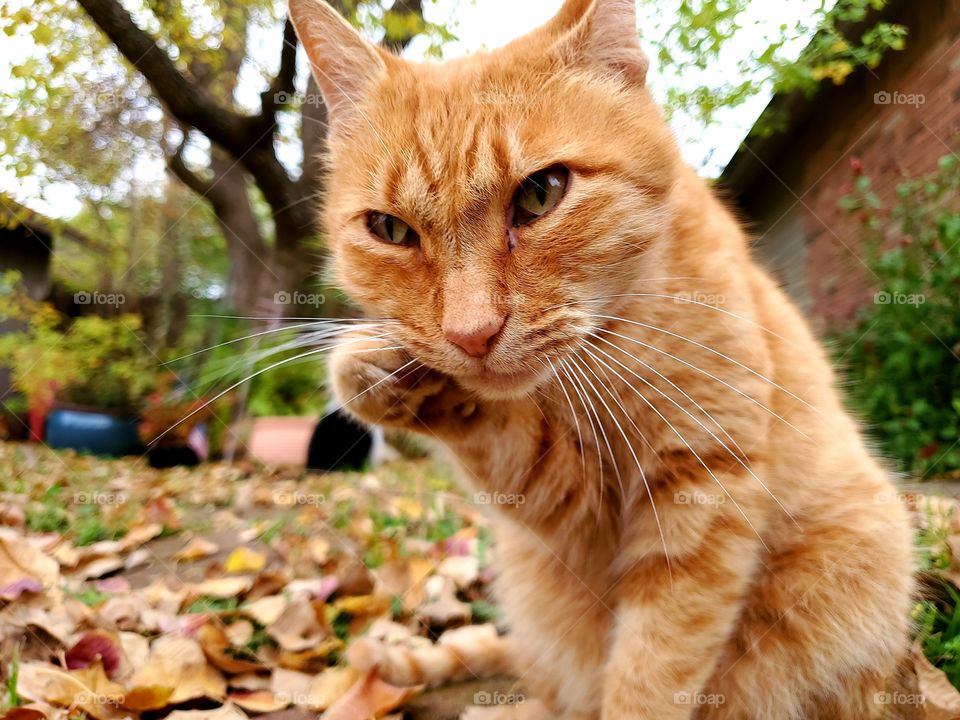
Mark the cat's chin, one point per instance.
(502, 386)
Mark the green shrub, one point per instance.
(89, 361)
(902, 356)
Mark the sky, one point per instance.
(489, 24)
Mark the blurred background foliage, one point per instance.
(902, 356)
(194, 157)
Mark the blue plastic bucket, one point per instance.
(93, 432)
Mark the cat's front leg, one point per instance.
(672, 622)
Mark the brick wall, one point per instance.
(895, 121)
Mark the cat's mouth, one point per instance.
(492, 383)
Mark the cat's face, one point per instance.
(481, 203)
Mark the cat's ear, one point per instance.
(343, 63)
(601, 34)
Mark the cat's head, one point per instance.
(491, 203)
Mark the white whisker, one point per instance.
(597, 428)
(734, 455)
(636, 459)
(235, 385)
(710, 375)
(711, 350)
(683, 440)
(573, 414)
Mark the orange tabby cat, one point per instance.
(688, 523)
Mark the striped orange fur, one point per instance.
(688, 523)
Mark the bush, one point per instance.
(903, 354)
(89, 361)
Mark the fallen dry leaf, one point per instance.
(224, 712)
(298, 628)
(24, 568)
(312, 660)
(258, 701)
(91, 692)
(223, 587)
(196, 549)
(222, 653)
(97, 646)
(369, 697)
(244, 560)
(329, 686)
(178, 662)
(266, 610)
(941, 701)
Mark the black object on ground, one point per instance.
(339, 443)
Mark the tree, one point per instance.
(155, 77)
(191, 69)
(243, 144)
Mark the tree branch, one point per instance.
(282, 87)
(186, 101)
(201, 186)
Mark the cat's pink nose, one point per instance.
(475, 339)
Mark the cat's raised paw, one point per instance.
(379, 383)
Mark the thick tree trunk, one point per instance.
(201, 100)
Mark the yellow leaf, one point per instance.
(245, 560)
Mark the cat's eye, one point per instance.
(539, 194)
(392, 230)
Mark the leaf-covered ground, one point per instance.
(224, 592)
(231, 591)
